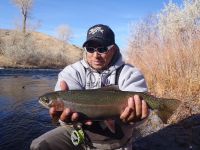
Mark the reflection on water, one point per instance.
(23, 88)
(21, 117)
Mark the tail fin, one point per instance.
(167, 108)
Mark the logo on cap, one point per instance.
(96, 29)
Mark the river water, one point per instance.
(22, 118)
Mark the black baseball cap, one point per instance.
(100, 33)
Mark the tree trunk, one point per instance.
(24, 24)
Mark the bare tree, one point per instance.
(25, 7)
(64, 33)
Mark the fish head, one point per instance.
(52, 99)
(45, 101)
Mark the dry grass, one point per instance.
(170, 71)
(170, 62)
(35, 50)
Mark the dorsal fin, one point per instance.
(110, 88)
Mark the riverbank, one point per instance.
(35, 50)
(6, 63)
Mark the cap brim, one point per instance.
(99, 40)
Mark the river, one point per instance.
(21, 117)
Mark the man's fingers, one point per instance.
(52, 112)
(126, 113)
(131, 103)
(138, 106)
(131, 116)
(75, 117)
(145, 110)
(129, 112)
(88, 122)
(64, 86)
(137, 109)
(66, 115)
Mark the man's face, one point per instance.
(99, 61)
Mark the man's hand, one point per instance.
(136, 110)
(67, 115)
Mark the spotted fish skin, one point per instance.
(100, 104)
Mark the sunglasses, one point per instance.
(98, 49)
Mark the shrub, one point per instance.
(166, 48)
(20, 47)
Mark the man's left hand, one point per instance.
(136, 110)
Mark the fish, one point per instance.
(101, 104)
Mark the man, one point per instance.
(101, 66)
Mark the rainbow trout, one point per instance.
(98, 104)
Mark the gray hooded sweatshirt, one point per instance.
(81, 76)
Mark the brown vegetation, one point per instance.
(167, 50)
(35, 49)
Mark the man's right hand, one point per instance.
(67, 115)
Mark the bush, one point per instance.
(20, 47)
(166, 48)
(25, 50)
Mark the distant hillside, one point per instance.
(36, 50)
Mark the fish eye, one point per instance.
(46, 99)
